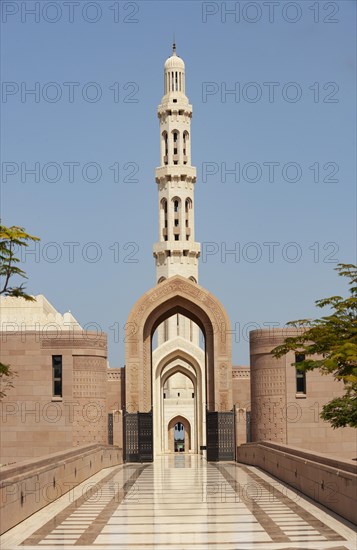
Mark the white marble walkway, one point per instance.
(182, 503)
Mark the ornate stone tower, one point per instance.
(190, 371)
(176, 252)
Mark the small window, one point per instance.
(176, 237)
(300, 374)
(193, 395)
(176, 206)
(176, 223)
(57, 375)
(164, 395)
(178, 395)
(174, 100)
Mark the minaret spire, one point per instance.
(174, 46)
(176, 253)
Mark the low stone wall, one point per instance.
(329, 481)
(26, 487)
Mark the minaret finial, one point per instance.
(174, 46)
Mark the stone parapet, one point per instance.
(328, 481)
(29, 486)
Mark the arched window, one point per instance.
(176, 203)
(188, 220)
(186, 138)
(165, 148)
(175, 142)
(163, 218)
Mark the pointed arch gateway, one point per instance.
(179, 419)
(178, 295)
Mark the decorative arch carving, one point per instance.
(178, 295)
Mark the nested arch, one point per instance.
(182, 370)
(187, 427)
(178, 295)
(176, 358)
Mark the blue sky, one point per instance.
(306, 128)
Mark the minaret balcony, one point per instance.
(163, 247)
(176, 171)
(168, 107)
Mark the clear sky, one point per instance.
(288, 132)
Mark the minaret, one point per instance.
(176, 252)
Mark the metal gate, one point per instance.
(138, 437)
(110, 429)
(220, 436)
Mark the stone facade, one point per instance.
(35, 422)
(280, 412)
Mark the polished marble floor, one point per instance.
(181, 502)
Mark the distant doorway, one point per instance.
(179, 438)
(179, 435)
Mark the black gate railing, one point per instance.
(138, 437)
(220, 436)
(110, 429)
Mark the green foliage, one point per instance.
(333, 339)
(11, 239)
(6, 378)
(341, 412)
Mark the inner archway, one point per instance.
(179, 402)
(178, 389)
(179, 424)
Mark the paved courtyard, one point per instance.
(181, 502)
